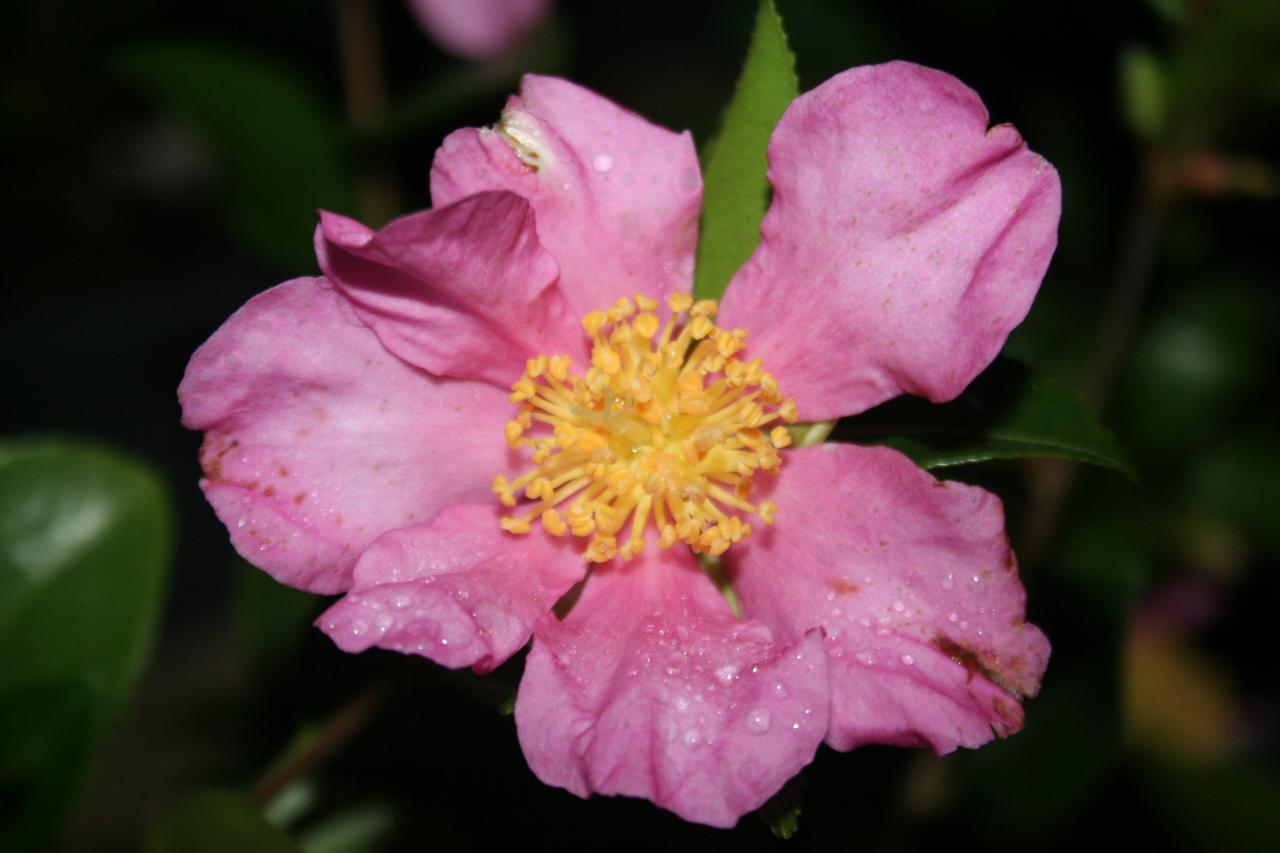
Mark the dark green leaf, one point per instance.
(216, 822)
(270, 619)
(84, 543)
(277, 144)
(782, 811)
(1007, 413)
(1222, 807)
(735, 191)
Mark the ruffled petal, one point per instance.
(464, 290)
(478, 29)
(904, 242)
(651, 688)
(318, 441)
(912, 581)
(617, 198)
(459, 590)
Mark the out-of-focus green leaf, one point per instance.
(782, 811)
(278, 145)
(1222, 807)
(84, 544)
(1007, 413)
(735, 190)
(1239, 481)
(269, 618)
(1142, 93)
(216, 822)
(362, 829)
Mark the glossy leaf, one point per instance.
(277, 144)
(216, 822)
(1007, 413)
(735, 190)
(84, 543)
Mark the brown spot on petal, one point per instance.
(841, 587)
(282, 471)
(269, 492)
(299, 498)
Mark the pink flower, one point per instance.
(479, 29)
(355, 425)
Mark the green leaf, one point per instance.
(1142, 93)
(269, 619)
(277, 144)
(84, 544)
(216, 822)
(782, 811)
(1007, 413)
(735, 190)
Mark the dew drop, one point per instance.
(602, 164)
(757, 721)
(908, 660)
(726, 674)
(949, 582)
(693, 737)
(780, 690)
(898, 607)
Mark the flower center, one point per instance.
(668, 426)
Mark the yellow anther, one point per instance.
(594, 322)
(515, 525)
(606, 360)
(558, 367)
(553, 523)
(700, 327)
(680, 302)
(513, 431)
(667, 426)
(646, 325)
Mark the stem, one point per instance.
(364, 93)
(314, 751)
(1121, 312)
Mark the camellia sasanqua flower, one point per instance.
(482, 405)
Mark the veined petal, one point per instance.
(463, 290)
(460, 590)
(617, 198)
(912, 581)
(478, 29)
(904, 242)
(318, 440)
(651, 688)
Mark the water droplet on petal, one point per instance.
(908, 660)
(726, 674)
(693, 737)
(949, 582)
(780, 690)
(602, 164)
(757, 721)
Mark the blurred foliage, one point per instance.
(165, 164)
(85, 535)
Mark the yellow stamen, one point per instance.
(665, 428)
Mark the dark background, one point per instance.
(134, 227)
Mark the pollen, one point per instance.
(667, 428)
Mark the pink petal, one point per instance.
(651, 688)
(905, 240)
(318, 440)
(462, 291)
(617, 198)
(912, 581)
(459, 590)
(479, 29)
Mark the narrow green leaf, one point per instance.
(1007, 413)
(84, 544)
(735, 190)
(216, 822)
(278, 146)
(782, 811)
